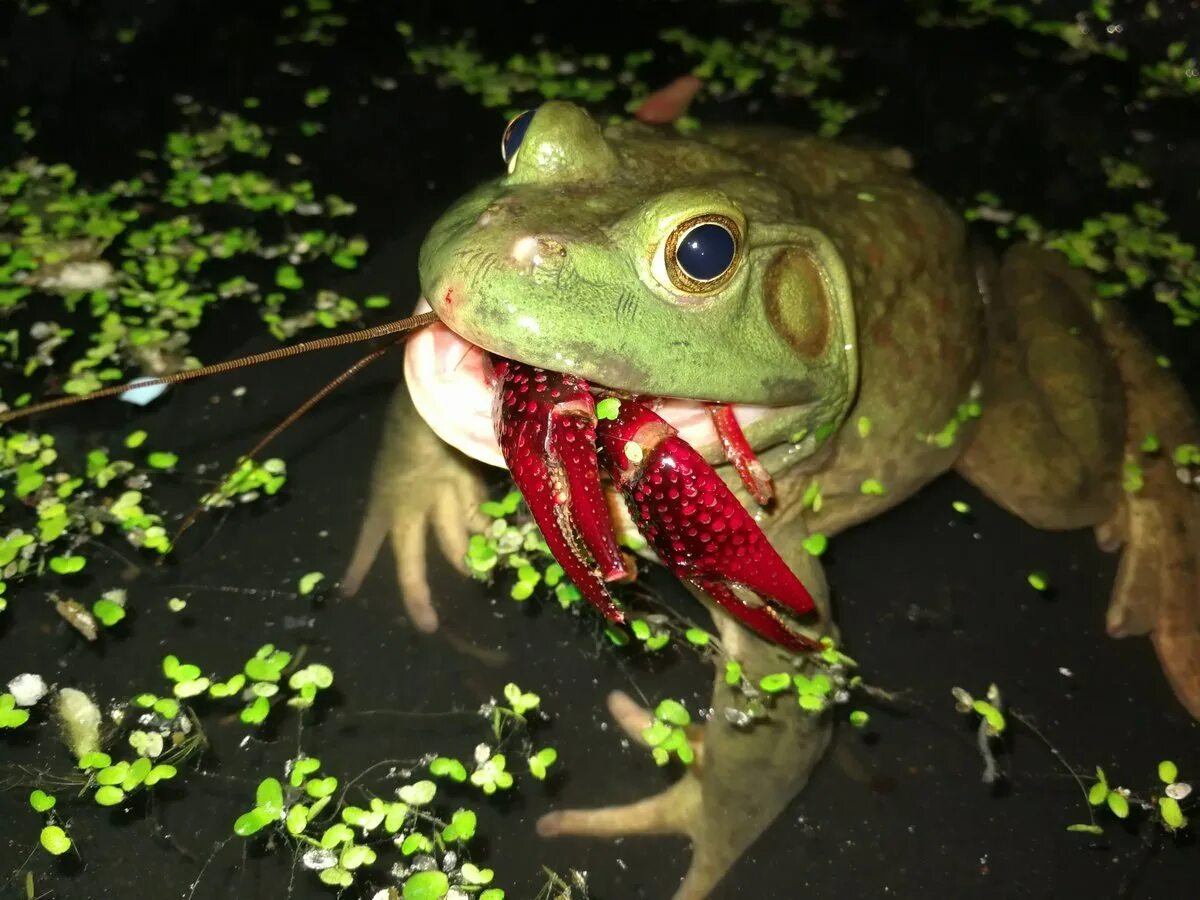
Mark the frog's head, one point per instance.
(649, 263)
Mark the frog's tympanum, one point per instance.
(738, 303)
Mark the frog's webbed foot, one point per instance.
(419, 484)
(741, 780)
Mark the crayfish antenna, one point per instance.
(298, 413)
(399, 327)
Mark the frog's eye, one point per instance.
(514, 133)
(702, 253)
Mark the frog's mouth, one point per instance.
(451, 385)
(559, 443)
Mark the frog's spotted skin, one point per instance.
(854, 298)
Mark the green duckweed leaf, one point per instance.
(108, 612)
(41, 801)
(252, 822)
(1118, 804)
(269, 797)
(67, 565)
(54, 840)
(161, 459)
(672, 712)
(1171, 813)
(773, 684)
(815, 544)
(419, 794)
(430, 885)
(445, 767)
(109, 795)
(309, 582)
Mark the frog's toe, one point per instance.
(408, 548)
(371, 535)
(1113, 532)
(1158, 584)
(668, 812)
(1143, 572)
(456, 517)
(738, 784)
(451, 509)
(634, 719)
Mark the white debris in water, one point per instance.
(424, 863)
(79, 275)
(1180, 790)
(318, 859)
(449, 860)
(456, 894)
(239, 391)
(80, 721)
(116, 595)
(140, 396)
(994, 215)
(1065, 672)
(483, 753)
(27, 689)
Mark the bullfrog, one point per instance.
(865, 346)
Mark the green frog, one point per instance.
(864, 346)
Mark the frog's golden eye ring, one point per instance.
(703, 253)
(514, 133)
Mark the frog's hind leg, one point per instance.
(743, 776)
(1158, 518)
(1071, 394)
(1049, 442)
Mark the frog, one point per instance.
(866, 344)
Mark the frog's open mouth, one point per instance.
(448, 378)
(554, 437)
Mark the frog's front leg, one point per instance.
(419, 483)
(743, 777)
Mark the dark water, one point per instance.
(925, 598)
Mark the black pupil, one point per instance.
(706, 251)
(515, 133)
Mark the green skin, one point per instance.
(855, 298)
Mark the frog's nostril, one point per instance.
(536, 251)
(525, 251)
